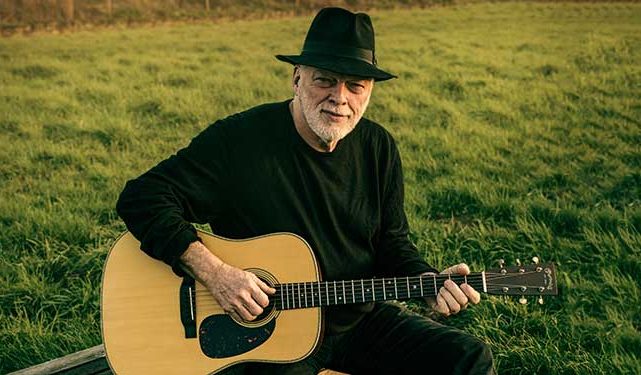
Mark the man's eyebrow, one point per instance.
(339, 76)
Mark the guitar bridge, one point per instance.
(188, 306)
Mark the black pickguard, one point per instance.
(221, 337)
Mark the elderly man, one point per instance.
(313, 166)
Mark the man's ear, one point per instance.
(295, 79)
(296, 76)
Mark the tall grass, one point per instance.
(519, 127)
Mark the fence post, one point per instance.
(110, 8)
(67, 11)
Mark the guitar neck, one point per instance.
(527, 280)
(329, 293)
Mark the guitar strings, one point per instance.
(309, 288)
(292, 297)
(345, 286)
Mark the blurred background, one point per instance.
(30, 15)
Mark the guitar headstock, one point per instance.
(523, 280)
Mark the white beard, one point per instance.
(327, 131)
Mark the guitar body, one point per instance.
(141, 310)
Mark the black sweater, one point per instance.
(252, 174)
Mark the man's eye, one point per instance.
(355, 87)
(324, 82)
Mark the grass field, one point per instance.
(519, 125)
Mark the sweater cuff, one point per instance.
(177, 246)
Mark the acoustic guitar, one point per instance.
(154, 322)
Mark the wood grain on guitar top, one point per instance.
(141, 325)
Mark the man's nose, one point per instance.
(339, 93)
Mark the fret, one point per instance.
(327, 292)
(289, 296)
(435, 290)
(302, 295)
(320, 296)
(395, 290)
(335, 294)
(311, 287)
(384, 296)
(408, 287)
(282, 300)
(421, 281)
(373, 294)
(363, 290)
(287, 291)
(305, 292)
(344, 299)
(353, 297)
(299, 304)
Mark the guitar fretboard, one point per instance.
(328, 293)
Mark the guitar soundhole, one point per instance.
(268, 312)
(221, 336)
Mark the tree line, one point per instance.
(48, 14)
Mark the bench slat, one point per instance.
(85, 362)
(90, 361)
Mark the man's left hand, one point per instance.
(453, 298)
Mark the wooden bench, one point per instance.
(90, 361)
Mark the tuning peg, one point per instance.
(502, 265)
(540, 300)
(523, 300)
(535, 260)
(518, 262)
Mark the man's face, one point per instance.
(332, 103)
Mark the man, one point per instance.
(315, 167)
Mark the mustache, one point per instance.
(335, 112)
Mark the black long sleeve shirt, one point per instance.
(252, 174)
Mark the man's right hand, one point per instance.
(241, 294)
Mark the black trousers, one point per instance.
(389, 340)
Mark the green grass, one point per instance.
(519, 125)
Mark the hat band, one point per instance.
(317, 48)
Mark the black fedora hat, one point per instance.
(342, 42)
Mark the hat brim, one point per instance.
(340, 65)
